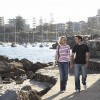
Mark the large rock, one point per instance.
(16, 65)
(1, 80)
(11, 60)
(35, 67)
(19, 72)
(38, 65)
(8, 80)
(17, 60)
(9, 95)
(11, 69)
(42, 64)
(19, 80)
(14, 60)
(26, 93)
(34, 96)
(5, 67)
(50, 64)
(27, 88)
(6, 75)
(4, 58)
(30, 75)
(26, 64)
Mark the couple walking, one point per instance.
(79, 58)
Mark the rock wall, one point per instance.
(48, 75)
(94, 64)
(94, 46)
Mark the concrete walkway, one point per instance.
(91, 93)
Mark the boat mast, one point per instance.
(15, 30)
(4, 29)
(46, 25)
(34, 27)
(41, 29)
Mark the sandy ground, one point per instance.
(13, 86)
(91, 93)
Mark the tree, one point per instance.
(20, 24)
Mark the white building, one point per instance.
(98, 12)
(1, 20)
(61, 27)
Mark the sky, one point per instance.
(61, 10)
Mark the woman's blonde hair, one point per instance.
(60, 38)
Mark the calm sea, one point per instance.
(34, 54)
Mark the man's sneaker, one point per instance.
(77, 91)
(85, 87)
(62, 91)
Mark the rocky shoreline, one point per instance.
(20, 80)
(25, 80)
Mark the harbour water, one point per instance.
(34, 54)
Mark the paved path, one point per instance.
(92, 92)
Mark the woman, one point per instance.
(63, 58)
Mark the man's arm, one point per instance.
(87, 58)
(72, 60)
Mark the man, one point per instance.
(80, 53)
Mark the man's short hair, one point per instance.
(79, 37)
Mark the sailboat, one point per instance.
(47, 45)
(46, 32)
(41, 30)
(14, 43)
(25, 45)
(33, 45)
(34, 28)
(41, 45)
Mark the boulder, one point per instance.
(9, 95)
(5, 67)
(38, 65)
(19, 80)
(1, 80)
(19, 72)
(50, 64)
(11, 60)
(17, 60)
(35, 67)
(27, 95)
(24, 76)
(3, 58)
(27, 88)
(6, 75)
(34, 96)
(30, 75)
(26, 64)
(42, 64)
(8, 80)
(16, 65)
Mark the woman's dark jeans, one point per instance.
(63, 70)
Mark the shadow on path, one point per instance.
(53, 96)
(92, 93)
